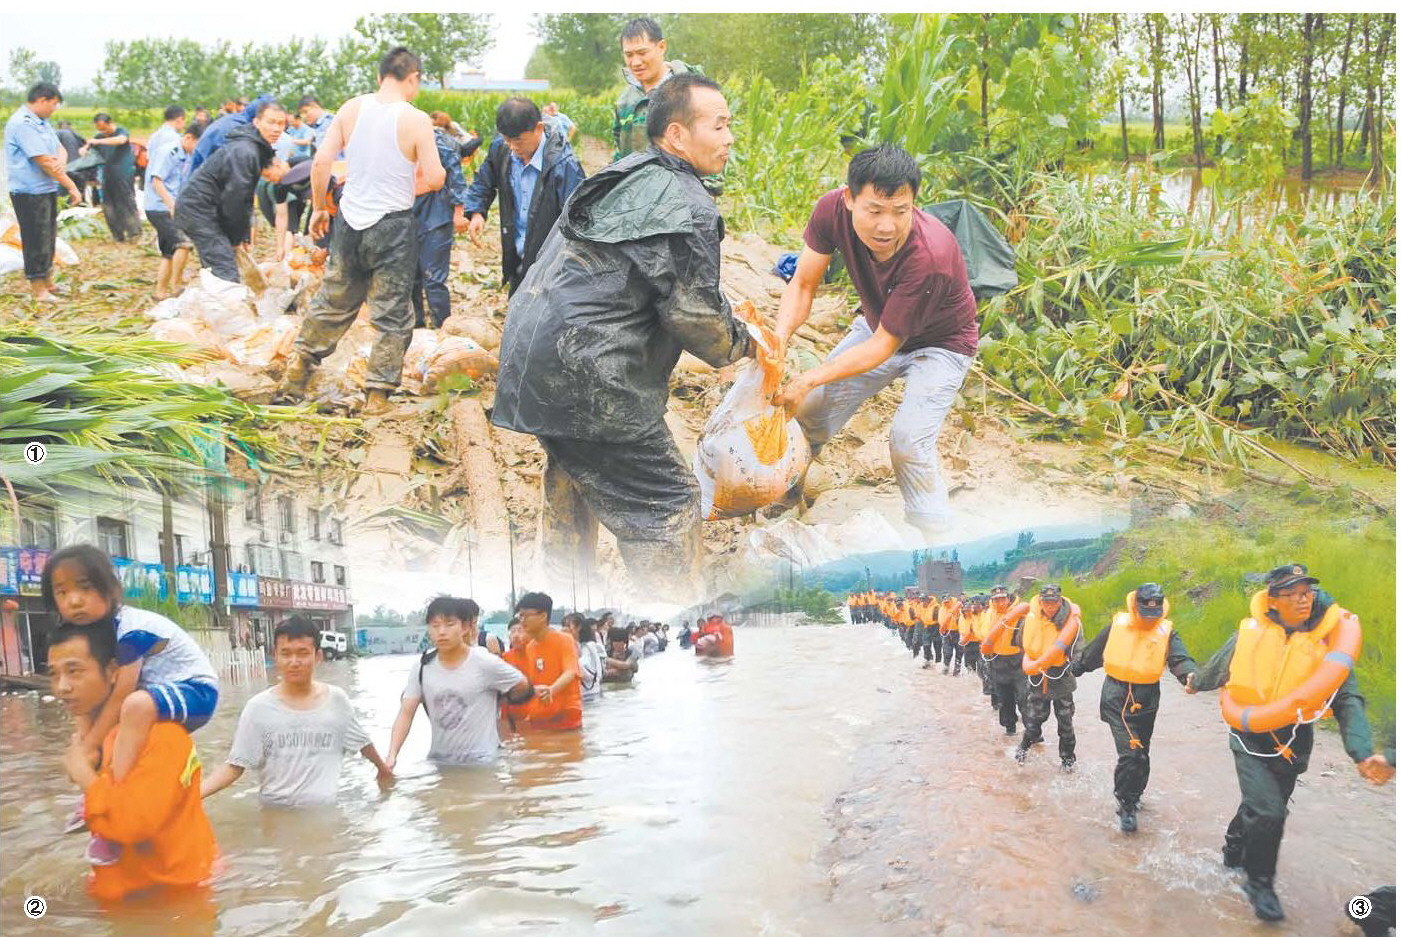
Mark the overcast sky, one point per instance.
(76, 43)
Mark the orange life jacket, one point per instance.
(1039, 632)
(1269, 661)
(1006, 642)
(948, 615)
(1136, 651)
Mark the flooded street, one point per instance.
(819, 784)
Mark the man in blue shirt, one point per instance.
(439, 215)
(167, 135)
(34, 166)
(295, 143)
(165, 174)
(534, 171)
(316, 117)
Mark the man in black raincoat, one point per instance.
(628, 278)
(215, 204)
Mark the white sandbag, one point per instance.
(11, 260)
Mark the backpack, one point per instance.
(423, 662)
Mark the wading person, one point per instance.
(457, 683)
(118, 178)
(215, 206)
(374, 243)
(152, 817)
(628, 278)
(918, 322)
(950, 610)
(1052, 687)
(623, 660)
(1293, 631)
(34, 166)
(534, 171)
(296, 733)
(1134, 650)
(1002, 655)
(552, 666)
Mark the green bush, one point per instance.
(476, 110)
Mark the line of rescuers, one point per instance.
(1289, 664)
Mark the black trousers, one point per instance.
(1131, 712)
(37, 216)
(1266, 784)
(215, 249)
(119, 205)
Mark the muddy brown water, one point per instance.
(819, 784)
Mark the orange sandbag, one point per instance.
(750, 452)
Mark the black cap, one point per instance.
(1282, 577)
(1050, 590)
(999, 592)
(1148, 598)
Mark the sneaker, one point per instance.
(1067, 764)
(102, 851)
(1021, 755)
(1261, 892)
(1128, 819)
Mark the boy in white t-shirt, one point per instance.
(297, 732)
(458, 685)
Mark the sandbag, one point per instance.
(421, 348)
(11, 260)
(458, 354)
(750, 452)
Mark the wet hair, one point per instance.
(671, 103)
(102, 642)
(465, 610)
(44, 91)
(102, 117)
(516, 116)
(641, 27)
(308, 99)
(399, 63)
(536, 601)
(268, 106)
(174, 112)
(886, 167)
(297, 627)
(96, 566)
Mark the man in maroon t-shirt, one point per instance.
(919, 322)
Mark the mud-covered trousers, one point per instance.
(375, 266)
(1037, 708)
(933, 377)
(642, 491)
(1008, 687)
(1266, 784)
(1131, 711)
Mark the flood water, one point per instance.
(818, 784)
(1185, 191)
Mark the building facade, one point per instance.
(941, 577)
(289, 559)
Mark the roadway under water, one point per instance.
(819, 784)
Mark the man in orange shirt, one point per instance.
(154, 814)
(552, 665)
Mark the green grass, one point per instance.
(1202, 563)
(140, 122)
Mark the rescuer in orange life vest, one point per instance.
(1002, 653)
(1134, 650)
(1048, 634)
(1298, 645)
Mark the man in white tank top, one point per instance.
(390, 155)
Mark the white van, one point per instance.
(334, 645)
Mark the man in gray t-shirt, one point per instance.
(459, 687)
(295, 733)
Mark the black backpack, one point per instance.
(423, 662)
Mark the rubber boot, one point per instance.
(292, 387)
(1261, 892)
(1128, 817)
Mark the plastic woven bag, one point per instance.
(750, 452)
